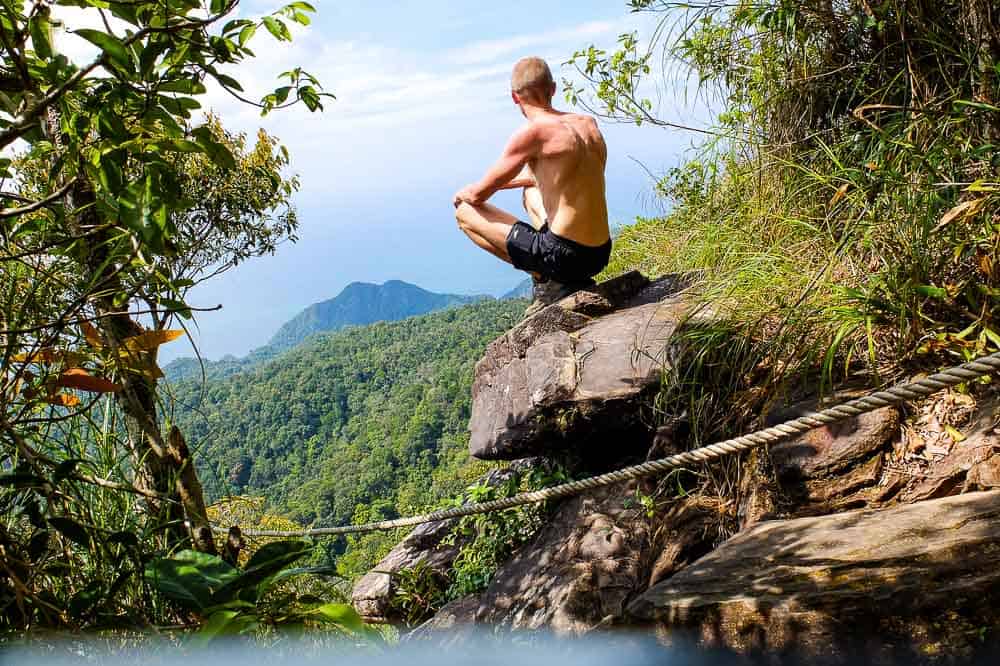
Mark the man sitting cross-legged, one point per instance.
(559, 159)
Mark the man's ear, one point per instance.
(513, 96)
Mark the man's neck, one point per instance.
(533, 111)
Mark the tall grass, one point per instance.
(845, 215)
(855, 233)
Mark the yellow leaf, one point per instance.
(839, 194)
(954, 434)
(140, 364)
(986, 264)
(62, 399)
(46, 355)
(982, 186)
(151, 340)
(963, 210)
(871, 165)
(91, 335)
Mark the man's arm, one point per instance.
(521, 148)
(524, 178)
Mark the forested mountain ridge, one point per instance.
(367, 421)
(358, 304)
(363, 303)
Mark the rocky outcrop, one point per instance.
(372, 595)
(834, 467)
(874, 583)
(851, 540)
(574, 368)
(581, 569)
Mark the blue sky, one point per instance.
(423, 107)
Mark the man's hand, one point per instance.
(521, 148)
(468, 195)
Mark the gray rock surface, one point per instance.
(874, 582)
(825, 451)
(597, 551)
(566, 364)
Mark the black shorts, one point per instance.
(554, 257)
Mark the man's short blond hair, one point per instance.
(532, 80)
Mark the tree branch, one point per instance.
(42, 203)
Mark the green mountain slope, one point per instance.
(361, 423)
(359, 304)
(364, 303)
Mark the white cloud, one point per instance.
(490, 50)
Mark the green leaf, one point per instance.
(931, 291)
(302, 571)
(185, 86)
(114, 49)
(217, 152)
(177, 307)
(87, 598)
(39, 28)
(976, 105)
(342, 615)
(992, 335)
(247, 33)
(190, 577)
(124, 539)
(235, 24)
(277, 28)
(229, 82)
(265, 563)
(268, 554)
(71, 529)
(225, 623)
(177, 146)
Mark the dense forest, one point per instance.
(362, 424)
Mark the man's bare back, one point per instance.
(558, 159)
(569, 171)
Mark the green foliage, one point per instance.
(363, 424)
(419, 593)
(844, 213)
(492, 537)
(118, 202)
(231, 602)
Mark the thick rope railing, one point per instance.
(912, 391)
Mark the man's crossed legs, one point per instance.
(488, 226)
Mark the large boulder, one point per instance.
(575, 368)
(596, 552)
(893, 583)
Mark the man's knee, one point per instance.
(464, 215)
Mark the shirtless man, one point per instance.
(558, 159)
